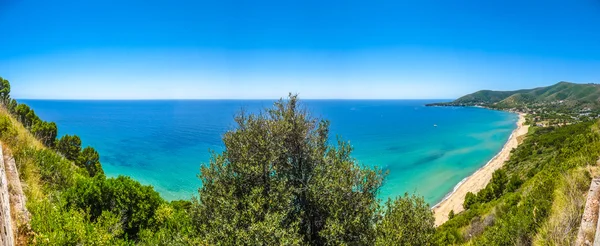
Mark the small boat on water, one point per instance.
(434, 125)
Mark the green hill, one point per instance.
(562, 91)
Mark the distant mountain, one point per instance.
(562, 91)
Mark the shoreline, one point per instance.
(480, 178)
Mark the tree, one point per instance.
(499, 182)
(69, 146)
(90, 160)
(279, 179)
(26, 115)
(12, 106)
(21, 112)
(4, 91)
(514, 183)
(46, 132)
(50, 133)
(407, 220)
(451, 214)
(31, 119)
(470, 200)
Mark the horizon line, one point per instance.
(225, 99)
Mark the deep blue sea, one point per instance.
(163, 143)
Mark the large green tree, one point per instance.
(69, 146)
(90, 160)
(279, 180)
(45, 131)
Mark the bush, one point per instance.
(406, 220)
(69, 146)
(90, 160)
(56, 225)
(134, 203)
(470, 200)
(55, 171)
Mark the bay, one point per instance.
(425, 150)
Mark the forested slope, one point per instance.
(537, 197)
(562, 91)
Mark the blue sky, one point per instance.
(319, 49)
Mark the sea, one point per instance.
(163, 143)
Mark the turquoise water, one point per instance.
(163, 143)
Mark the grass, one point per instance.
(565, 215)
(19, 143)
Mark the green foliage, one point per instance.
(134, 203)
(67, 206)
(470, 200)
(69, 146)
(518, 223)
(79, 209)
(498, 183)
(55, 225)
(55, 172)
(567, 209)
(274, 182)
(90, 160)
(493, 190)
(45, 131)
(11, 106)
(514, 183)
(22, 113)
(560, 91)
(448, 236)
(518, 201)
(174, 225)
(4, 91)
(406, 220)
(7, 131)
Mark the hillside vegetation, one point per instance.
(561, 104)
(562, 91)
(537, 197)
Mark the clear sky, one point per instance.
(103, 49)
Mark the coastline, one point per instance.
(480, 178)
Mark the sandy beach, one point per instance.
(480, 178)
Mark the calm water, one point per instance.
(163, 143)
